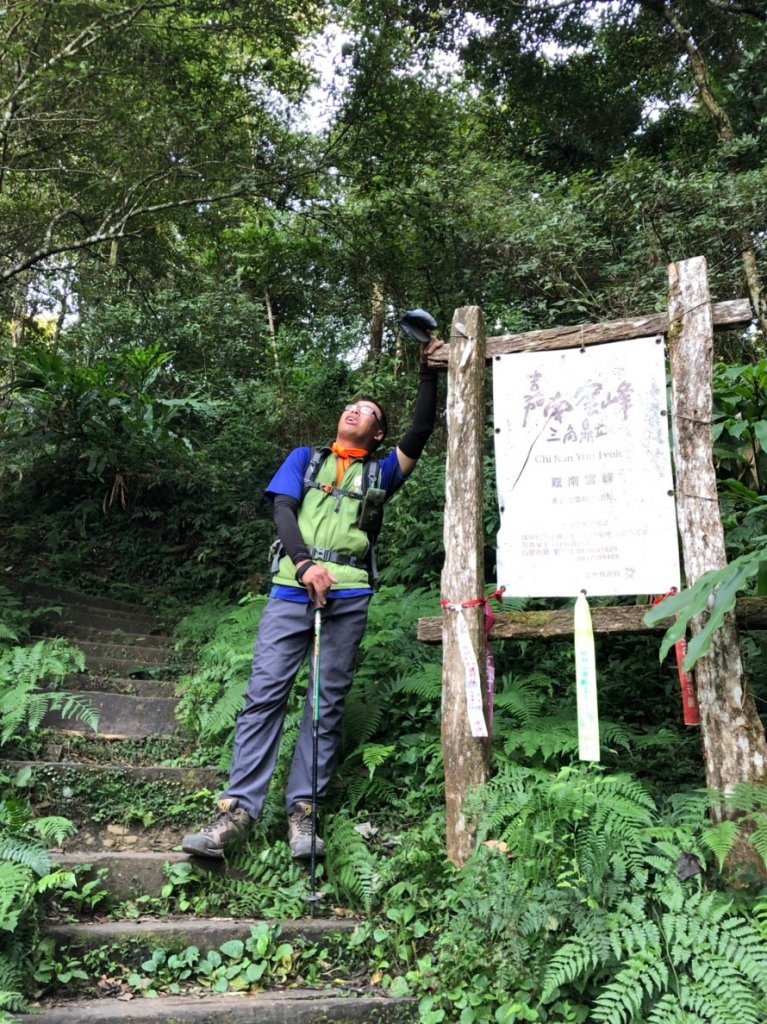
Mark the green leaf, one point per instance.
(255, 972)
(234, 949)
(760, 429)
(716, 591)
(761, 579)
(720, 840)
(724, 602)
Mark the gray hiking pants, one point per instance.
(285, 635)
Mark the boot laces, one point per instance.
(303, 822)
(222, 818)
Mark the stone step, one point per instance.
(76, 682)
(92, 749)
(120, 805)
(121, 717)
(174, 933)
(126, 874)
(290, 1006)
(109, 635)
(31, 591)
(132, 839)
(135, 654)
(125, 668)
(81, 617)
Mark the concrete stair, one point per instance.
(130, 663)
(77, 682)
(94, 795)
(121, 716)
(180, 932)
(290, 1006)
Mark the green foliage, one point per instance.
(411, 550)
(694, 955)
(25, 876)
(714, 593)
(743, 811)
(105, 421)
(22, 670)
(353, 870)
(740, 433)
(87, 895)
(579, 914)
(260, 961)
(577, 168)
(740, 426)
(275, 888)
(223, 639)
(120, 99)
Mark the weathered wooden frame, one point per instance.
(688, 326)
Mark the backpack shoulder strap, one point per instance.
(317, 458)
(371, 474)
(371, 469)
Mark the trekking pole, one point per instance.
(314, 896)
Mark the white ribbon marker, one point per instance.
(472, 684)
(586, 682)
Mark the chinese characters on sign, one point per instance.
(584, 472)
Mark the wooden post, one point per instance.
(466, 758)
(734, 744)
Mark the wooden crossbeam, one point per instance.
(734, 313)
(750, 612)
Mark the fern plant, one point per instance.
(22, 670)
(353, 869)
(524, 725)
(212, 697)
(747, 802)
(26, 873)
(572, 908)
(665, 955)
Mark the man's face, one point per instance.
(360, 424)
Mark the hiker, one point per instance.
(318, 498)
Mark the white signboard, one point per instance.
(584, 472)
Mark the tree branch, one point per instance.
(86, 38)
(724, 132)
(732, 6)
(107, 231)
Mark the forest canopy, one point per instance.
(212, 214)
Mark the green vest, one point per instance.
(329, 521)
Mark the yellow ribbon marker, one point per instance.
(586, 682)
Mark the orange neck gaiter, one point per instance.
(345, 457)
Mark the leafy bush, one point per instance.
(23, 669)
(25, 865)
(583, 902)
(740, 425)
(25, 875)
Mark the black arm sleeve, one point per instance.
(285, 520)
(424, 414)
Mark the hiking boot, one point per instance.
(300, 833)
(231, 822)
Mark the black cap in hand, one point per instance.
(417, 325)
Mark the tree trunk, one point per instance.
(724, 133)
(734, 743)
(466, 757)
(376, 323)
(272, 330)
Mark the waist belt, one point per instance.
(326, 555)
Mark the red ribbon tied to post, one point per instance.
(690, 709)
